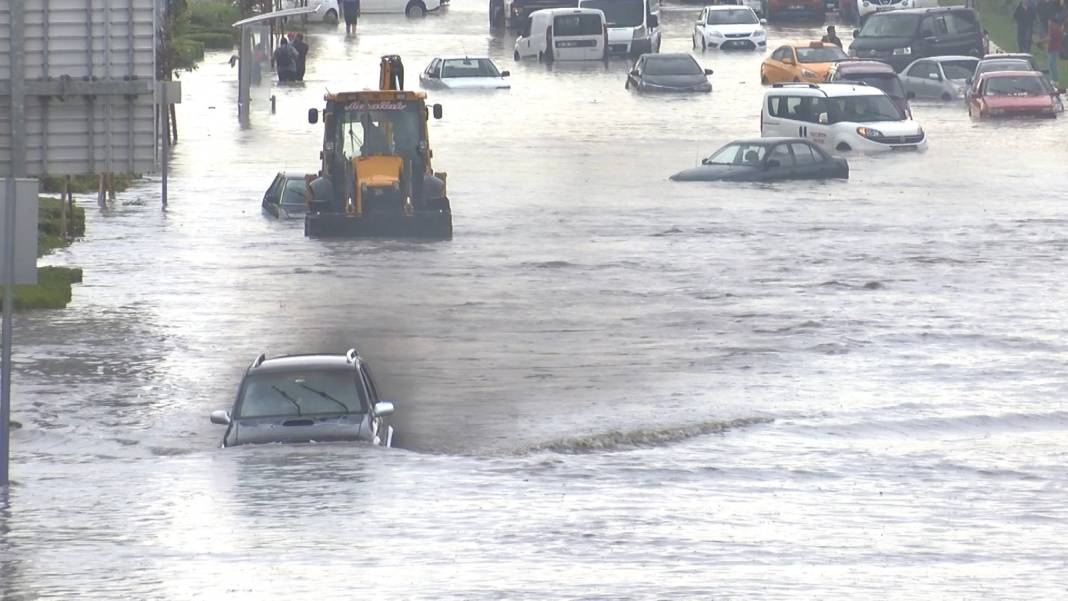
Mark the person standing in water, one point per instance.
(302, 55)
(351, 8)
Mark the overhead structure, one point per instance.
(254, 52)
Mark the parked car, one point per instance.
(800, 63)
(839, 117)
(942, 77)
(513, 14)
(463, 73)
(766, 159)
(412, 8)
(872, 73)
(307, 398)
(633, 25)
(868, 7)
(1013, 94)
(285, 196)
(902, 36)
(563, 34)
(775, 10)
(668, 73)
(994, 63)
(728, 28)
(326, 11)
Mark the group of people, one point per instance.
(1049, 17)
(290, 58)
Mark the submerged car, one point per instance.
(800, 63)
(766, 159)
(729, 27)
(285, 197)
(942, 77)
(307, 398)
(994, 63)
(873, 73)
(1013, 94)
(465, 73)
(668, 73)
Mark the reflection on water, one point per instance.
(608, 385)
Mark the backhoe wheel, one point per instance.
(415, 10)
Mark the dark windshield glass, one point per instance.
(888, 25)
(962, 69)
(314, 392)
(826, 54)
(293, 193)
(737, 154)
(864, 109)
(1016, 86)
(886, 82)
(734, 16)
(468, 67)
(673, 65)
(571, 25)
(379, 128)
(619, 13)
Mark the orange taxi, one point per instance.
(800, 63)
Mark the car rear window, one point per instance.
(887, 82)
(569, 25)
(889, 25)
(959, 69)
(672, 65)
(1016, 86)
(294, 394)
(826, 54)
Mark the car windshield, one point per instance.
(887, 82)
(1023, 85)
(733, 16)
(619, 13)
(1005, 64)
(737, 154)
(469, 67)
(962, 69)
(379, 128)
(293, 193)
(575, 25)
(291, 394)
(825, 54)
(672, 65)
(865, 109)
(888, 25)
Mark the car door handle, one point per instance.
(298, 422)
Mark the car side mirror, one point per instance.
(313, 116)
(220, 417)
(505, 73)
(763, 21)
(634, 72)
(822, 119)
(774, 164)
(856, 32)
(437, 111)
(383, 408)
(935, 76)
(788, 60)
(708, 71)
(705, 161)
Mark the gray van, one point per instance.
(902, 36)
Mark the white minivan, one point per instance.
(633, 25)
(839, 117)
(563, 34)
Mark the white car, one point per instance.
(839, 117)
(463, 73)
(729, 27)
(867, 7)
(411, 8)
(326, 11)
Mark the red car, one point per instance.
(1013, 94)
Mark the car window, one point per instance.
(619, 13)
(889, 25)
(797, 108)
(961, 23)
(672, 65)
(293, 194)
(825, 54)
(526, 27)
(737, 154)
(733, 16)
(1006, 64)
(365, 373)
(781, 153)
(864, 109)
(573, 25)
(1015, 86)
(803, 154)
(313, 392)
(922, 69)
(468, 67)
(781, 53)
(275, 189)
(887, 82)
(959, 69)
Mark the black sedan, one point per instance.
(668, 73)
(766, 159)
(285, 197)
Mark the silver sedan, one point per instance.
(938, 77)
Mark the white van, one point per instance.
(563, 34)
(839, 117)
(633, 25)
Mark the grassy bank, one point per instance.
(996, 16)
(84, 184)
(53, 288)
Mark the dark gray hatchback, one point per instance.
(902, 36)
(307, 398)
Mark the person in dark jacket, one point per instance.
(1025, 16)
(302, 55)
(832, 37)
(285, 61)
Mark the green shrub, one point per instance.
(52, 290)
(85, 184)
(212, 16)
(216, 41)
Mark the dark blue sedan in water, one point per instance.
(765, 160)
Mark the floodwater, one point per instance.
(609, 385)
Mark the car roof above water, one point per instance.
(825, 89)
(302, 362)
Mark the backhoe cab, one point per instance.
(376, 179)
